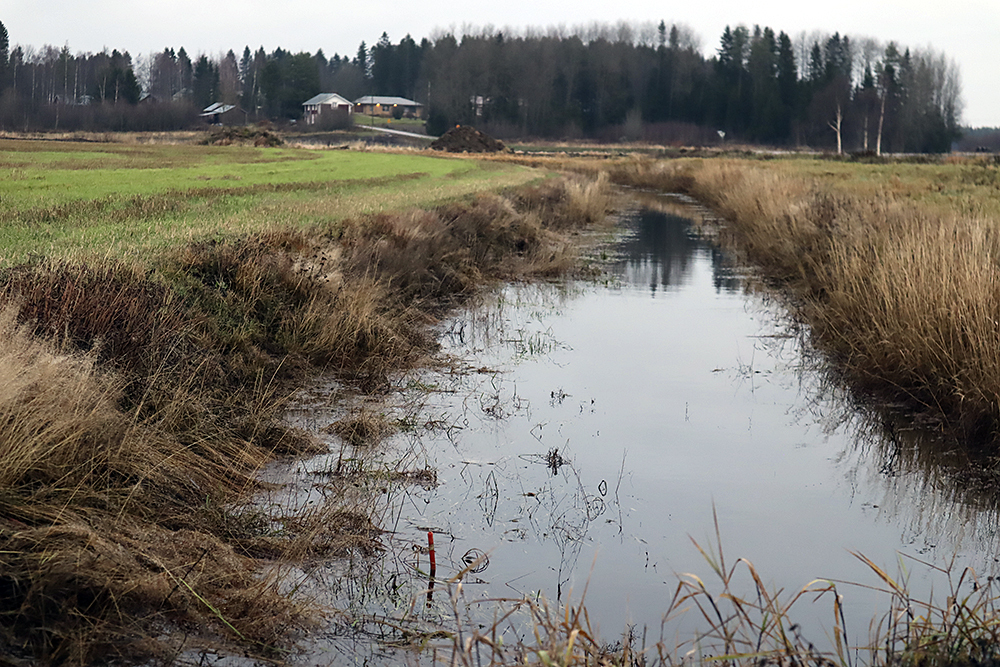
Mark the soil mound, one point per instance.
(467, 139)
(243, 136)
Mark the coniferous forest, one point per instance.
(649, 82)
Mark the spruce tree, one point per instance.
(4, 57)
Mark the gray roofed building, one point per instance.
(383, 105)
(315, 106)
(214, 113)
(217, 108)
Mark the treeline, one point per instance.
(53, 89)
(605, 82)
(760, 86)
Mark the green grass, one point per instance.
(68, 199)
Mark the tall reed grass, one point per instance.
(903, 295)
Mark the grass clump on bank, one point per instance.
(142, 394)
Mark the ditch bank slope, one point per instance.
(139, 404)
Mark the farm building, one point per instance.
(325, 103)
(223, 114)
(396, 107)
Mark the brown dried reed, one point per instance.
(734, 619)
(904, 297)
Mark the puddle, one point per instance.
(589, 431)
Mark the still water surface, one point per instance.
(595, 427)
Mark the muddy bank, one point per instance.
(140, 403)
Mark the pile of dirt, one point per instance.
(467, 139)
(243, 136)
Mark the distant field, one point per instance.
(967, 186)
(65, 198)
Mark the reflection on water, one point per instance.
(594, 430)
(661, 249)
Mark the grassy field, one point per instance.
(64, 199)
(964, 186)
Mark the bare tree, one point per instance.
(163, 75)
(803, 43)
(886, 88)
(837, 125)
(866, 52)
(143, 69)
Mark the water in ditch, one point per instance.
(584, 435)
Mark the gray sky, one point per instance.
(967, 31)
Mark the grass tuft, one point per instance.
(363, 427)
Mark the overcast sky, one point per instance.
(967, 31)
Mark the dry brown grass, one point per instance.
(176, 137)
(452, 250)
(101, 530)
(363, 427)
(902, 294)
(40, 386)
(139, 402)
(732, 618)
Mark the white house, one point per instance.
(325, 103)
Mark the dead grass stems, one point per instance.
(139, 402)
(902, 294)
(734, 619)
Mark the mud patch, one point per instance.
(243, 136)
(467, 139)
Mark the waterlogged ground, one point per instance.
(586, 434)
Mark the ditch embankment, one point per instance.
(141, 398)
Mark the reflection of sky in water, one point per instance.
(669, 392)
